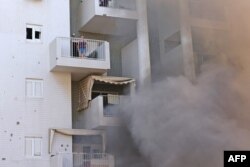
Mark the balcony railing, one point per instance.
(82, 48)
(80, 57)
(118, 4)
(82, 160)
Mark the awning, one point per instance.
(86, 86)
(76, 132)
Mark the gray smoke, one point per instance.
(177, 123)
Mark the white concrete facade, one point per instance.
(93, 117)
(90, 15)
(128, 23)
(20, 116)
(27, 109)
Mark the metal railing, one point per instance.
(82, 48)
(82, 160)
(118, 4)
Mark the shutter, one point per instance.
(28, 147)
(37, 147)
(37, 33)
(38, 89)
(29, 88)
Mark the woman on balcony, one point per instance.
(82, 47)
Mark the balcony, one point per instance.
(100, 114)
(112, 17)
(99, 98)
(119, 4)
(66, 55)
(82, 160)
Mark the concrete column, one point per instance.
(143, 43)
(186, 41)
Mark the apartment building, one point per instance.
(59, 90)
(184, 34)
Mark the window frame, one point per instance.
(33, 147)
(33, 87)
(34, 28)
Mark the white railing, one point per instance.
(119, 4)
(81, 48)
(82, 160)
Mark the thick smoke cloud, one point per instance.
(178, 123)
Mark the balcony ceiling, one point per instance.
(78, 73)
(110, 26)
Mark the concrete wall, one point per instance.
(143, 43)
(130, 66)
(93, 117)
(173, 62)
(169, 24)
(82, 12)
(125, 4)
(21, 117)
(115, 60)
(154, 43)
(85, 11)
(74, 23)
(168, 21)
(84, 119)
(129, 14)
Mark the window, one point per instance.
(34, 88)
(33, 147)
(37, 35)
(33, 33)
(28, 33)
(172, 42)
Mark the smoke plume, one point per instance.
(178, 123)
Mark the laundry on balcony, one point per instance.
(86, 85)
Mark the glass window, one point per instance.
(33, 33)
(34, 88)
(33, 147)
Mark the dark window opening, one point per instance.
(105, 101)
(28, 33)
(37, 35)
(172, 42)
